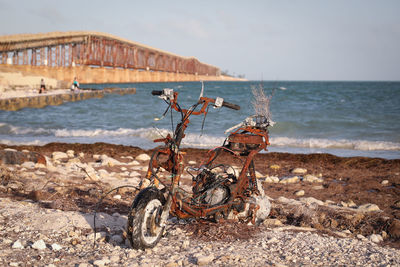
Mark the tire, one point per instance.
(143, 231)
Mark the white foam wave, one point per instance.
(148, 133)
(195, 140)
(205, 141)
(314, 143)
(334, 144)
(17, 130)
(19, 143)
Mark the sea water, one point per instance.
(341, 118)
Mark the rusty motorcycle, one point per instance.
(218, 191)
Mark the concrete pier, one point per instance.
(42, 100)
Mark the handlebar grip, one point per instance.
(230, 105)
(156, 92)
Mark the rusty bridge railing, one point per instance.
(69, 49)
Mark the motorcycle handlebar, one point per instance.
(156, 92)
(230, 105)
(224, 104)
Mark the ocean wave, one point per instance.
(191, 139)
(19, 143)
(147, 133)
(365, 145)
(204, 141)
(8, 129)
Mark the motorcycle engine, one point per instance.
(211, 187)
(216, 195)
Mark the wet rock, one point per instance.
(368, 207)
(143, 157)
(299, 171)
(39, 245)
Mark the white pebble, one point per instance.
(143, 157)
(17, 244)
(56, 247)
(39, 245)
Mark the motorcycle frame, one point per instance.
(257, 138)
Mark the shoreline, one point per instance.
(363, 178)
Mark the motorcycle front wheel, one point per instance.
(143, 219)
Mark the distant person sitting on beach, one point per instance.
(42, 86)
(75, 85)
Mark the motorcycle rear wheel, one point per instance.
(143, 219)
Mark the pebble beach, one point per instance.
(47, 209)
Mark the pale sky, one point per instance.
(262, 39)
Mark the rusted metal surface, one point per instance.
(71, 49)
(245, 143)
